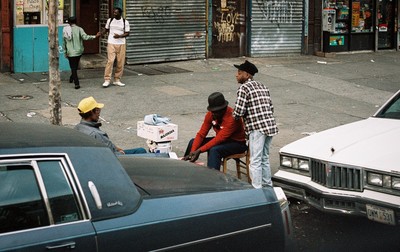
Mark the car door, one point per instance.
(40, 207)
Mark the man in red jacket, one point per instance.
(229, 139)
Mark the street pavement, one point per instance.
(309, 93)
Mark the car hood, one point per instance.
(164, 176)
(371, 143)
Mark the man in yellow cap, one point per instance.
(89, 110)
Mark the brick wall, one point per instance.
(104, 15)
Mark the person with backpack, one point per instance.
(118, 29)
(73, 37)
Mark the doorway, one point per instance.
(228, 28)
(89, 21)
(386, 24)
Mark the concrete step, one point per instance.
(89, 61)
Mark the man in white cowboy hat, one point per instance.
(254, 105)
(229, 138)
(89, 109)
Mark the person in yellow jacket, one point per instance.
(73, 37)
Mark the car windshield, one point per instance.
(392, 109)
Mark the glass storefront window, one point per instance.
(34, 12)
(341, 17)
(362, 16)
(386, 23)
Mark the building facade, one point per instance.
(355, 25)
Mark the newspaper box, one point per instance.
(157, 133)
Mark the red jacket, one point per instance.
(228, 129)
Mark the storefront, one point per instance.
(30, 35)
(354, 25)
(166, 31)
(386, 24)
(276, 27)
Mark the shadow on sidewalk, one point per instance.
(95, 73)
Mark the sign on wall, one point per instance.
(32, 6)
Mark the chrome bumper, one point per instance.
(331, 203)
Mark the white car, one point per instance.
(351, 169)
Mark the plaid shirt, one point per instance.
(254, 104)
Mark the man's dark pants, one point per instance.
(216, 153)
(73, 64)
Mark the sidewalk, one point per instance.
(309, 93)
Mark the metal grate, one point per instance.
(336, 177)
(340, 204)
(276, 27)
(165, 31)
(318, 172)
(345, 178)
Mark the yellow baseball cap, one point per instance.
(88, 104)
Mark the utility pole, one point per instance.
(54, 73)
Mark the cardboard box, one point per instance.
(163, 133)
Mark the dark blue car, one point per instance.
(61, 190)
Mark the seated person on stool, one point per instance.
(230, 136)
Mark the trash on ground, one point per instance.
(31, 114)
(308, 133)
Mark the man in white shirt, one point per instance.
(118, 29)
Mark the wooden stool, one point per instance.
(242, 166)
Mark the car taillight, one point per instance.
(284, 204)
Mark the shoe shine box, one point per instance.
(161, 133)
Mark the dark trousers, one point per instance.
(73, 64)
(216, 153)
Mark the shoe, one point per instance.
(106, 84)
(77, 87)
(118, 83)
(71, 79)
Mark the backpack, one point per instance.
(123, 19)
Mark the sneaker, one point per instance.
(106, 84)
(118, 83)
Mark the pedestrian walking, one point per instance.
(73, 37)
(254, 105)
(118, 29)
(229, 137)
